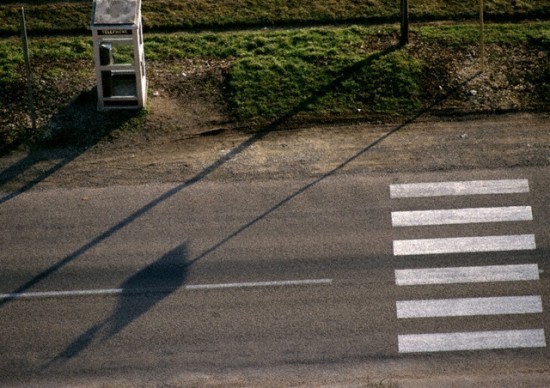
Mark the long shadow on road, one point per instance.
(153, 284)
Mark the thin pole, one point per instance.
(481, 35)
(404, 22)
(28, 67)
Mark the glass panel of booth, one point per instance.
(113, 52)
(119, 84)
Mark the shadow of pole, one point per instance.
(26, 164)
(64, 127)
(228, 157)
(154, 283)
(131, 218)
(333, 171)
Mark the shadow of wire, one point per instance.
(333, 171)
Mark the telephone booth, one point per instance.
(117, 34)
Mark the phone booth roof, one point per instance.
(116, 12)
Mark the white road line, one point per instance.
(453, 275)
(464, 245)
(261, 284)
(117, 291)
(510, 339)
(461, 216)
(464, 307)
(438, 189)
(61, 294)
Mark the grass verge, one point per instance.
(272, 74)
(169, 15)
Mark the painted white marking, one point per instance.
(438, 189)
(61, 294)
(464, 307)
(464, 244)
(461, 216)
(510, 339)
(452, 275)
(260, 284)
(115, 291)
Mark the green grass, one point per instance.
(329, 67)
(321, 72)
(329, 71)
(63, 16)
(317, 46)
(502, 34)
(277, 73)
(44, 50)
(272, 87)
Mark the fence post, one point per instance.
(28, 68)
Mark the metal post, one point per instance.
(481, 36)
(28, 67)
(404, 22)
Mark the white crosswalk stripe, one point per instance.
(461, 216)
(465, 307)
(477, 274)
(440, 189)
(480, 340)
(463, 245)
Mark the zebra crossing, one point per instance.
(465, 307)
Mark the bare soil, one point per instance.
(425, 144)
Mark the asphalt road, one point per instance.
(280, 282)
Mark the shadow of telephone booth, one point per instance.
(117, 34)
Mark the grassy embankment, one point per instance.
(327, 72)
